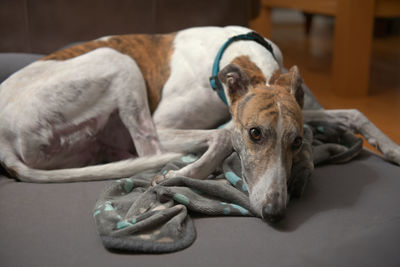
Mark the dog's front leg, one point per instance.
(359, 123)
(216, 144)
(302, 166)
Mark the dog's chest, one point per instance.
(188, 101)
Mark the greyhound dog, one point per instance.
(118, 105)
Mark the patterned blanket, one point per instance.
(132, 216)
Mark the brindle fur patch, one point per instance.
(152, 53)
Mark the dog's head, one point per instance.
(268, 132)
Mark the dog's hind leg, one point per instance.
(358, 123)
(216, 145)
(133, 107)
(53, 113)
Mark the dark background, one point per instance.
(42, 26)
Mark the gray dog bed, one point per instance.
(349, 215)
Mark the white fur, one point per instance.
(119, 169)
(105, 38)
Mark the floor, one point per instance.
(313, 55)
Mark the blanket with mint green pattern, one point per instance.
(130, 215)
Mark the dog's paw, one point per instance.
(298, 184)
(393, 155)
(159, 178)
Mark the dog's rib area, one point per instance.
(152, 53)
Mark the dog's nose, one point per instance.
(271, 213)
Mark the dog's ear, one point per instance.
(292, 81)
(236, 81)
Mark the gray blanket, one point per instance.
(132, 216)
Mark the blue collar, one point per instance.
(251, 36)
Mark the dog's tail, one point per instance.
(114, 170)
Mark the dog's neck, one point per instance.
(244, 60)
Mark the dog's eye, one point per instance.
(255, 134)
(298, 141)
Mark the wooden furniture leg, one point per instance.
(262, 23)
(352, 47)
